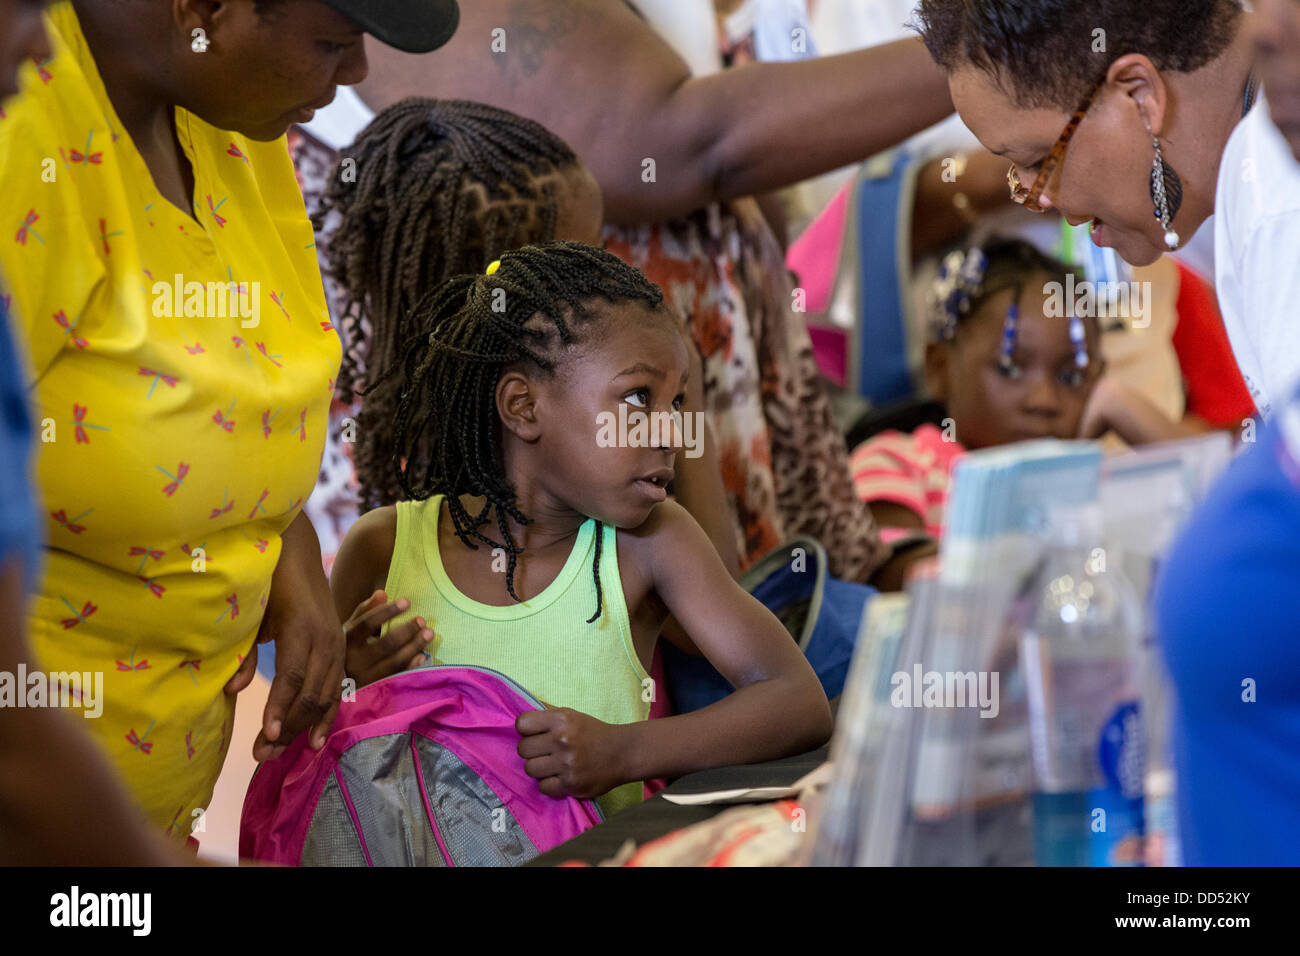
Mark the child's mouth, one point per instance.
(655, 486)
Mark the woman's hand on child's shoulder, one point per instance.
(571, 754)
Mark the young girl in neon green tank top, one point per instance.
(537, 538)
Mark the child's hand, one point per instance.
(571, 754)
(369, 659)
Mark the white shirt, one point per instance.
(1257, 256)
(688, 26)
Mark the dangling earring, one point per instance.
(1166, 192)
(200, 42)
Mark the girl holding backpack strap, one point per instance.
(532, 545)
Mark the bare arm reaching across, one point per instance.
(599, 76)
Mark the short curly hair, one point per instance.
(1046, 52)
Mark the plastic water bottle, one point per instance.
(1080, 628)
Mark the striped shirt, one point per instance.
(909, 470)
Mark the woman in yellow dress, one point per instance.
(159, 269)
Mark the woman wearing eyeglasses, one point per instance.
(1139, 118)
(1143, 119)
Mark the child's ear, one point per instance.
(937, 357)
(517, 406)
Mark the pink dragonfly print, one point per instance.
(261, 347)
(146, 209)
(268, 416)
(78, 617)
(236, 152)
(278, 299)
(179, 810)
(41, 71)
(302, 425)
(333, 372)
(235, 286)
(189, 552)
(156, 589)
(131, 663)
(145, 554)
(327, 326)
(141, 743)
(233, 609)
(296, 502)
(105, 235)
(87, 158)
(239, 344)
(189, 742)
(226, 505)
(79, 417)
(71, 524)
(258, 507)
(70, 328)
(177, 479)
(192, 667)
(220, 219)
(170, 380)
(226, 423)
(260, 543)
(27, 228)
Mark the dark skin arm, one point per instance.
(603, 80)
(309, 649)
(778, 707)
(59, 802)
(936, 219)
(1114, 406)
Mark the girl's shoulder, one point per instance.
(367, 549)
(669, 533)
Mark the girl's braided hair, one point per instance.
(442, 187)
(533, 306)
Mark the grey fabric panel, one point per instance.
(380, 776)
(331, 837)
(463, 806)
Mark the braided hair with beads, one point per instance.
(536, 302)
(442, 187)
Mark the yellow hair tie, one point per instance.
(491, 270)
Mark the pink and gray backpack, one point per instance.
(421, 769)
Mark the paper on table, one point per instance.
(815, 778)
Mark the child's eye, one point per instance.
(1010, 370)
(638, 399)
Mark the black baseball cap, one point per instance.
(415, 26)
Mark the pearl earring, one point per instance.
(1166, 192)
